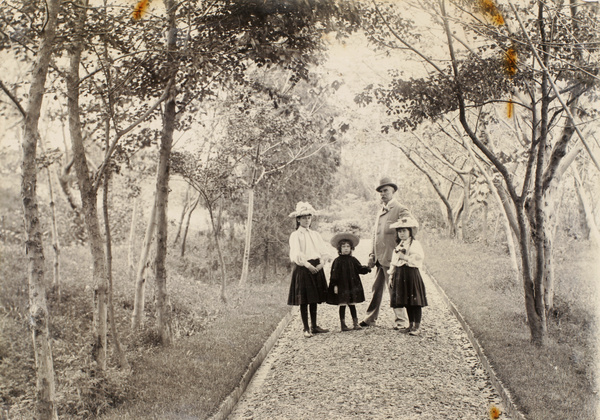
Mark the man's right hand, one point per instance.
(371, 262)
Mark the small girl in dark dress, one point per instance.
(408, 289)
(309, 253)
(345, 287)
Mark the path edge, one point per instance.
(510, 407)
(227, 406)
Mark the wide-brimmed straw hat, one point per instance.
(303, 209)
(385, 181)
(406, 222)
(347, 236)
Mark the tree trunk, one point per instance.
(131, 242)
(450, 219)
(55, 238)
(88, 195)
(246, 257)
(219, 251)
(187, 224)
(541, 206)
(509, 211)
(484, 223)
(548, 269)
(163, 322)
(109, 279)
(458, 212)
(63, 180)
(510, 243)
(163, 319)
(54, 230)
(559, 162)
(184, 208)
(507, 228)
(137, 318)
(45, 404)
(266, 261)
(537, 328)
(466, 206)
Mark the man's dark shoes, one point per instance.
(364, 324)
(318, 330)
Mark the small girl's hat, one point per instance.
(303, 209)
(354, 240)
(406, 222)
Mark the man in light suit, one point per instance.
(384, 242)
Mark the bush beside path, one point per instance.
(376, 373)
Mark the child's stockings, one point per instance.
(343, 317)
(354, 317)
(313, 315)
(304, 315)
(414, 316)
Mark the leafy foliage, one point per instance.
(311, 180)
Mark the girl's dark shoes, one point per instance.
(356, 324)
(407, 330)
(318, 330)
(415, 331)
(345, 327)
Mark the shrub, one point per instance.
(85, 393)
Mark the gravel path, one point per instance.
(375, 373)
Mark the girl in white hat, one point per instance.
(345, 287)
(309, 253)
(408, 289)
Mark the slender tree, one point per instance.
(45, 403)
(137, 317)
(209, 171)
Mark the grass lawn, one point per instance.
(189, 379)
(214, 342)
(557, 381)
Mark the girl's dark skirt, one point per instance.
(408, 288)
(307, 287)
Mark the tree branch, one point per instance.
(554, 87)
(14, 99)
(121, 133)
(408, 46)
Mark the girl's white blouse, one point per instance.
(306, 244)
(414, 254)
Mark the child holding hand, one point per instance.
(345, 287)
